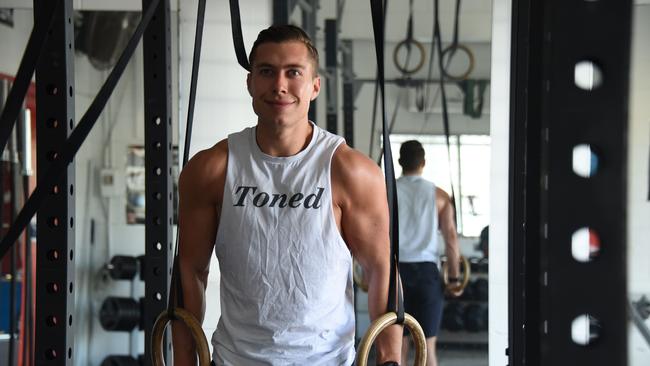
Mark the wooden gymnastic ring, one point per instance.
(158, 333)
(419, 65)
(463, 283)
(470, 67)
(384, 322)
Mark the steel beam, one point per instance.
(550, 116)
(54, 325)
(158, 167)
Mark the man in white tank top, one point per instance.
(423, 210)
(284, 205)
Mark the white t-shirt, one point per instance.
(418, 219)
(286, 279)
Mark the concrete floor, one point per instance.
(469, 357)
(462, 358)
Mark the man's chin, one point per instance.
(279, 120)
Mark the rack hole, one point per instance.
(585, 161)
(50, 354)
(585, 245)
(585, 329)
(52, 89)
(52, 287)
(587, 75)
(51, 321)
(53, 255)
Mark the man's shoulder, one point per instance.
(352, 169)
(207, 166)
(350, 161)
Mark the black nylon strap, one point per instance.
(76, 138)
(456, 24)
(409, 27)
(237, 38)
(443, 94)
(395, 299)
(176, 293)
(26, 69)
(454, 41)
(374, 107)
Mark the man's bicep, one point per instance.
(197, 227)
(365, 224)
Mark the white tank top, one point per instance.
(418, 219)
(286, 279)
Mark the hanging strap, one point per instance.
(176, 288)
(26, 69)
(395, 298)
(454, 41)
(237, 38)
(77, 137)
(409, 26)
(374, 106)
(443, 94)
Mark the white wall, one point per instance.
(638, 210)
(499, 131)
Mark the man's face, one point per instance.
(282, 83)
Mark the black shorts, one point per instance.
(423, 296)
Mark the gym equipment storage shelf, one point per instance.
(465, 319)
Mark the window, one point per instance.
(470, 166)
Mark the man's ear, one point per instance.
(248, 84)
(316, 91)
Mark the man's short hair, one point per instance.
(285, 33)
(411, 155)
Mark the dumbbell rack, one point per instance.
(453, 332)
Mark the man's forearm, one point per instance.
(452, 250)
(388, 343)
(194, 302)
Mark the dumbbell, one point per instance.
(115, 360)
(469, 293)
(481, 289)
(475, 317)
(123, 267)
(120, 314)
(483, 266)
(474, 263)
(452, 317)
